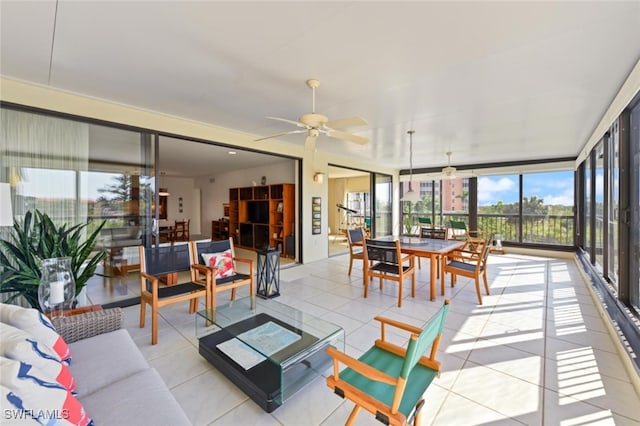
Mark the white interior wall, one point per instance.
(179, 188)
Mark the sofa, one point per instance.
(112, 382)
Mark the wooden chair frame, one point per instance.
(458, 230)
(181, 230)
(355, 237)
(406, 370)
(385, 261)
(206, 275)
(471, 264)
(167, 259)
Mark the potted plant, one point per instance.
(37, 238)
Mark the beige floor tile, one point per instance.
(506, 394)
(536, 352)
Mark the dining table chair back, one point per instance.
(384, 260)
(355, 237)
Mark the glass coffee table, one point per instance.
(270, 350)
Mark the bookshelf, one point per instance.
(261, 216)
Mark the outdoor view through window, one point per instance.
(547, 206)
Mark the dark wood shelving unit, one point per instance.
(220, 229)
(261, 216)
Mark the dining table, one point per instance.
(435, 249)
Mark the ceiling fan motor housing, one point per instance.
(313, 120)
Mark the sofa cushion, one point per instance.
(141, 398)
(27, 395)
(35, 323)
(103, 359)
(19, 345)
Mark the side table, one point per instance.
(268, 273)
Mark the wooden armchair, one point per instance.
(389, 381)
(355, 238)
(384, 260)
(215, 263)
(471, 263)
(156, 263)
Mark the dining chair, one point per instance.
(158, 262)
(390, 380)
(471, 263)
(458, 230)
(181, 230)
(355, 238)
(215, 263)
(385, 261)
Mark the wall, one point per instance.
(314, 246)
(182, 187)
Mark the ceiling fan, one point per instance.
(450, 172)
(313, 124)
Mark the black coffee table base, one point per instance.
(263, 382)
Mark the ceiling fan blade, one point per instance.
(347, 122)
(280, 134)
(347, 137)
(295, 123)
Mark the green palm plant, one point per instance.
(37, 238)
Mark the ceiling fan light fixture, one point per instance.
(411, 195)
(449, 171)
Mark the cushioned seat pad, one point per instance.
(103, 359)
(126, 402)
(232, 278)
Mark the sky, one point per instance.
(555, 188)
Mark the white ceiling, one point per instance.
(489, 81)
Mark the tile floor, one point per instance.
(535, 353)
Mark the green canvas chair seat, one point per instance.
(419, 379)
(388, 380)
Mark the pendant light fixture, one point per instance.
(411, 195)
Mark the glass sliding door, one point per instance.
(382, 222)
(613, 205)
(76, 172)
(634, 216)
(41, 159)
(599, 206)
(586, 222)
(350, 205)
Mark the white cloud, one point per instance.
(491, 190)
(564, 199)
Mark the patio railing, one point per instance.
(537, 229)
